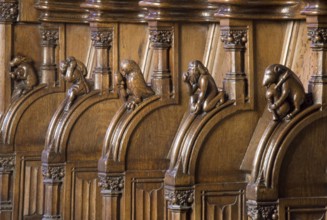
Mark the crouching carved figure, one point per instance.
(285, 93)
(24, 76)
(131, 84)
(74, 71)
(202, 88)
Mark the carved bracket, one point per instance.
(262, 211)
(112, 185)
(8, 11)
(102, 38)
(74, 71)
(204, 93)
(131, 84)
(7, 163)
(24, 76)
(179, 199)
(52, 174)
(233, 37)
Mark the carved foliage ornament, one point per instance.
(7, 162)
(317, 36)
(8, 11)
(53, 174)
(112, 184)
(49, 37)
(179, 199)
(256, 211)
(161, 37)
(234, 38)
(101, 38)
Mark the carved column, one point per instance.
(179, 201)
(111, 190)
(316, 12)
(161, 38)
(8, 15)
(234, 39)
(262, 211)
(49, 39)
(102, 40)
(53, 180)
(7, 165)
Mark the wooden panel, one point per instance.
(306, 213)
(85, 201)
(225, 205)
(147, 199)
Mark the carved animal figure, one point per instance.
(287, 95)
(132, 86)
(74, 71)
(202, 88)
(24, 75)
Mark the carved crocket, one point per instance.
(131, 84)
(202, 88)
(74, 71)
(285, 92)
(24, 75)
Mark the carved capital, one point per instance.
(179, 199)
(262, 211)
(49, 37)
(53, 173)
(234, 38)
(111, 184)
(161, 38)
(8, 11)
(102, 38)
(318, 37)
(7, 162)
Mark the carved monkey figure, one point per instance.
(24, 75)
(285, 92)
(132, 86)
(202, 88)
(74, 71)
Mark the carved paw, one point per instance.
(195, 108)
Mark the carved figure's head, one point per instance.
(127, 66)
(272, 74)
(195, 69)
(19, 59)
(72, 69)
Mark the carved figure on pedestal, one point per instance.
(24, 75)
(74, 71)
(131, 84)
(285, 92)
(202, 88)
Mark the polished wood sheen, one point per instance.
(163, 110)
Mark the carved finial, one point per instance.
(285, 93)
(8, 11)
(131, 84)
(74, 71)
(24, 76)
(202, 88)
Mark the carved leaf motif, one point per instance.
(161, 37)
(317, 36)
(111, 183)
(179, 198)
(101, 38)
(54, 174)
(234, 38)
(7, 162)
(49, 37)
(8, 11)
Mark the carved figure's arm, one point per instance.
(284, 95)
(203, 86)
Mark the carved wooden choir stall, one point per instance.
(166, 109)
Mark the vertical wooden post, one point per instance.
(102, 41)
(49, 36)
(7, 165)
(8, 15)
(234, 38)
(53, 180)
(111, 190)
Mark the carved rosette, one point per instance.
(318, 37)
(179, 199)
(8, 11)
(161, 38)
(7, 162)
(111, 184)
(234, 38)
(49, 37)
(102, 38)
(53, 174)
(264, 211)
